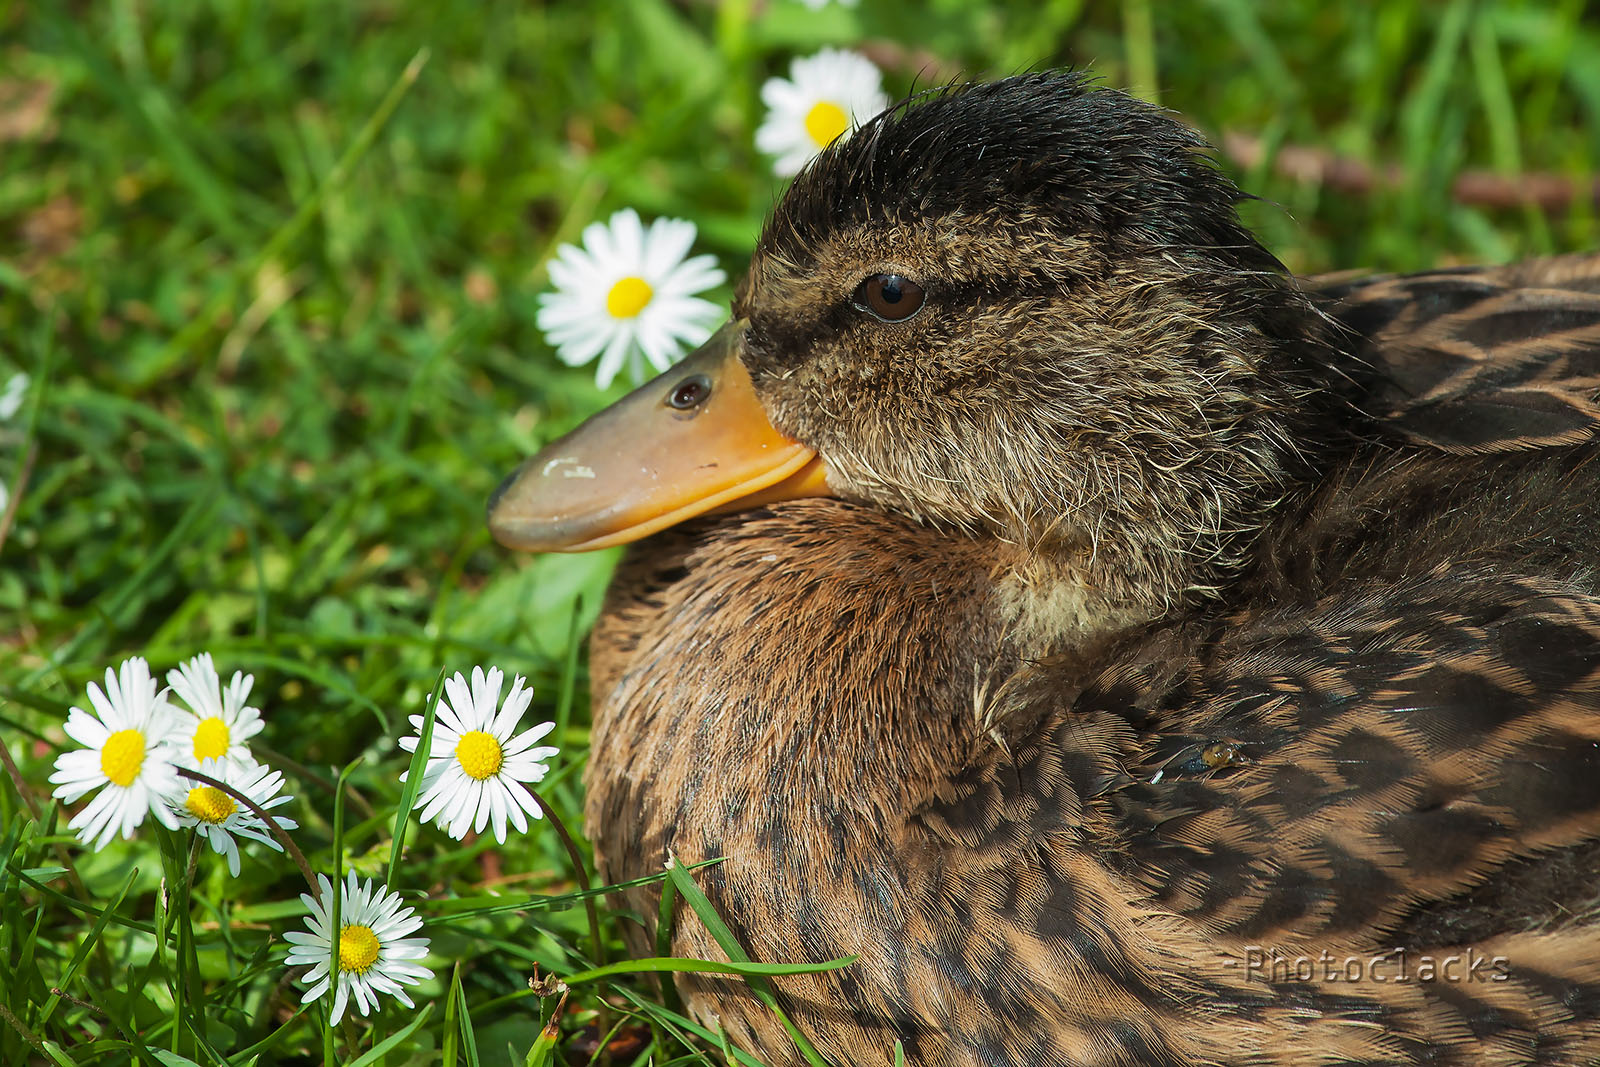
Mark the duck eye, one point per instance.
(889, 297)
(689, 393)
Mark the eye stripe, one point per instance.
(780, 337)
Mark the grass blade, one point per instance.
(394, 1040)
(90, 939)
(658, 964)
(724, 938)
(413, 782)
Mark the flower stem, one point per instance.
(579, 872)
(582, 876)
(186, 989)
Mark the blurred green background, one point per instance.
(273, 268)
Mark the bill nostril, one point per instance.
(689, 393)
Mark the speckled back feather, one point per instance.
(1478, 361)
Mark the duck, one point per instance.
(1124, 651)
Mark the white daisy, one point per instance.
(823, 97)
(475, 766)
(219, 818)
(374, 952)
(629, 292)
(125, 756)
(218, 723)
(818, 5)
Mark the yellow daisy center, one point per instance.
(211, 739)
(121, 757)
(479, 755)
(209, 804)
(825, 122)
(628, 297)
(358, 948)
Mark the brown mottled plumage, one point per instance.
(1173, 615)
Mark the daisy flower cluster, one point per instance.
(140, 745)
(136, 744)
(629, 293)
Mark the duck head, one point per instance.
(1023, 311)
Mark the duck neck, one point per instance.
(815, 661)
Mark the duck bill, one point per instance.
(692, 440)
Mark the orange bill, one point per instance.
(691, 440)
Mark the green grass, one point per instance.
(273, 270)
